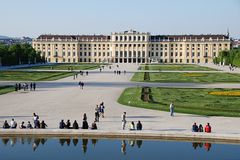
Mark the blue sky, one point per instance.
(35, 17)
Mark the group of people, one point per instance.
(37, 124)
(67, 125)
(131, 125)
(232, 67)
(118, 72)
(81, 84)
(196, 128)
(25, 86)
(99, 111)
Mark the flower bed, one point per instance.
(225, 93)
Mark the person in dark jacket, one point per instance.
(139, 125)
(68, 124)
(6, 125)
(195, 127)
(94, 126)
(200, 128)
(62, 124)
(85, 124)
(75, 125)
(43, 125)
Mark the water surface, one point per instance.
(104, 149)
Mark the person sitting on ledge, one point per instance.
(43, 125)
(132, 126)
(29, 125)
(68, 124)
(22, 126)
(195, 127)
(75, 125)
(13, 124)
(62, 124)
(94, 125)
(139, 125)
(200, 128)
(6, 125)
(85, 124)
(208, 128)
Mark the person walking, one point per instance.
(35, 120)
(97, 113)
(124, 121)
(102, 107)
(34, 86)
(171, 107)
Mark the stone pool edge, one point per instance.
(147, 135)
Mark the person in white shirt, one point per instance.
(124, 120)
(171, 107)
(132, 126)
(13, 124)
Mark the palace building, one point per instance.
(131, 47)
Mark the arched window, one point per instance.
(134, 38)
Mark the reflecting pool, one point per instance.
(29, 148)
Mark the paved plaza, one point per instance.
(63, 99)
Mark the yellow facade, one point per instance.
(131, 47)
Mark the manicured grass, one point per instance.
(6, 89)
(77, 66)
(32, 76)
(188, 77)
(176, 67)
(192, 101)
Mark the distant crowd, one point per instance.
(25, 86)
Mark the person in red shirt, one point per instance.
(208, 128)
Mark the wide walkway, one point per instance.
(68, 101)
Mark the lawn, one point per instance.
(191, 101)
(6, 89)
(176, 67)
(32, 76)
(188, 77)
(77, 66)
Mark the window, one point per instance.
(125, 53)
(139, 54)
